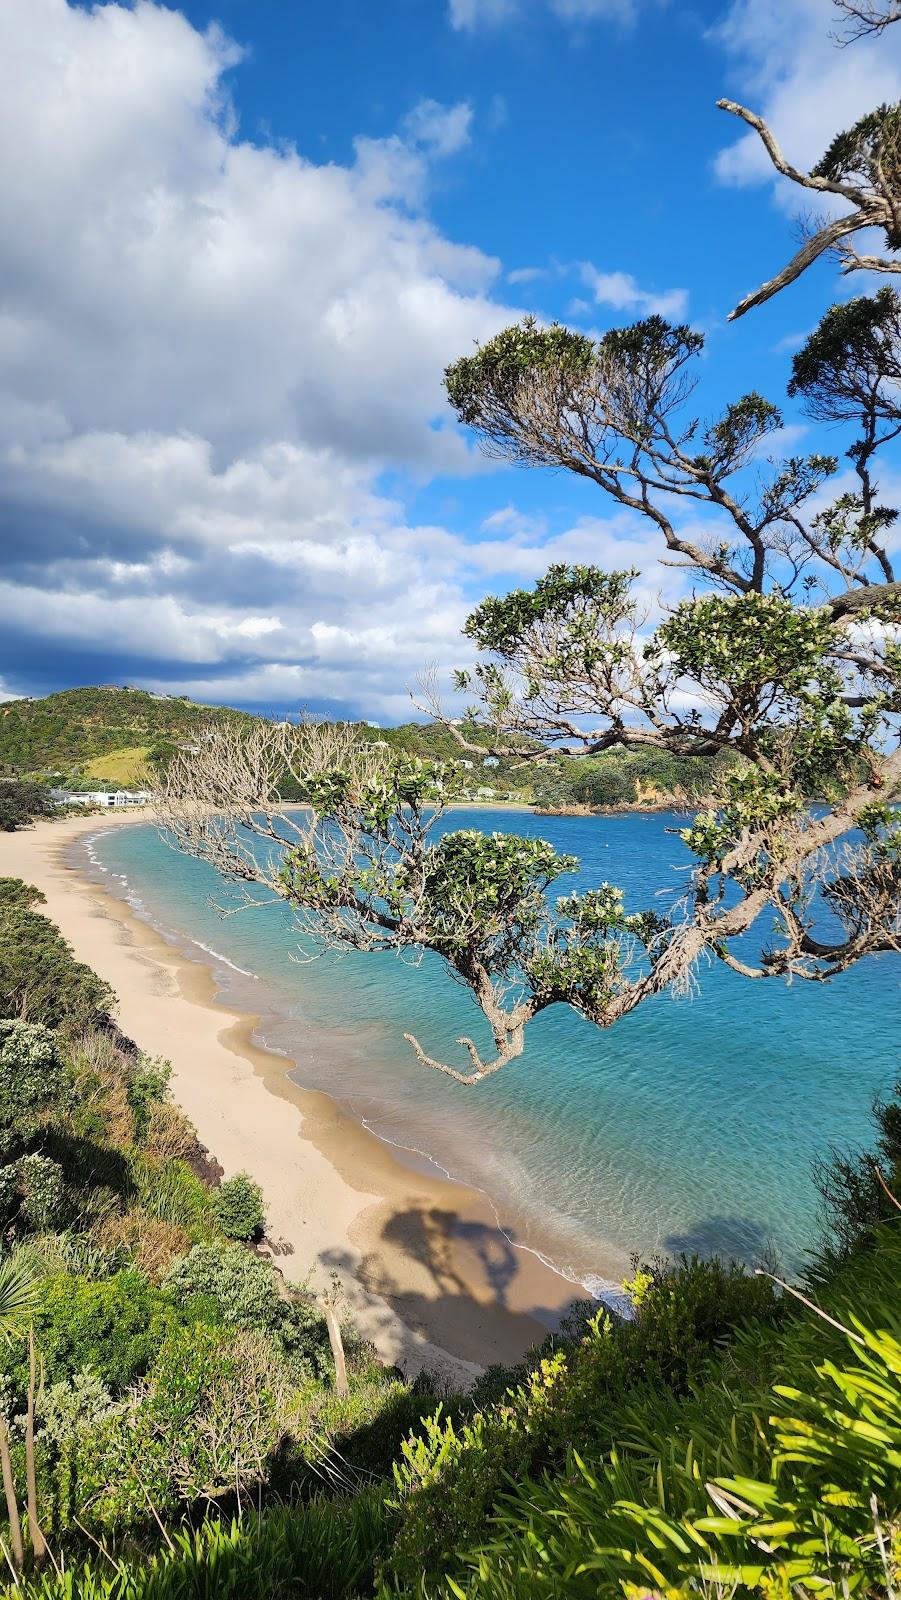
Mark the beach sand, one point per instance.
(429, 1275)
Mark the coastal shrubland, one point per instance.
(168, 1367)
(187, 1423)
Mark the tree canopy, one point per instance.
(783, 659)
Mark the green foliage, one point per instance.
(578, 595)
(113, 1328)
(32, 1081)
(869, 152)
(241, 1289)
(20, 803)
(239, 1284)
(148, 1085)
(237, 1206)
(324, 1550)
(500, 366)
(452, 1477)
(853, 354)
(170, 1192)
(746, 642)
(827, 1516)
(40, 980)
(487, 890)
(42, 1191)
(17, 1296)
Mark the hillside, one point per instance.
(106, 735)
(67, 732)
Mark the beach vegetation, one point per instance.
(21, 802)
(40, 981)
(238, 1207)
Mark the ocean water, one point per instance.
(691, 1125)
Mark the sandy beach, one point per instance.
(429, 1275)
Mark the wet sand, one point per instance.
(430, 1276)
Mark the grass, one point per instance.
(120, 766)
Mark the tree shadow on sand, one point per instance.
(457, 1282)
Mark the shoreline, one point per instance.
(419, 1257)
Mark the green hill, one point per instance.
(68, 731)
(106, 734)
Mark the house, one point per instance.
(100, 797)
(490, 761)
(468, 765)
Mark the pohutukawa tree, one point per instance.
(785, 657)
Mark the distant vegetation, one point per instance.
(20, 803)
(70, 730)
(95, 738)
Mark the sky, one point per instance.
(240, 240)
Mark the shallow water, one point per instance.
(691, 1125)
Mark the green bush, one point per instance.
(243, 1290)
(452, 1474)
(39, 976)
(32, 1081)
(240, 1284)
(112, 1328)
(204, 1425)
(237, 1206)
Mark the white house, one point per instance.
(100, 797)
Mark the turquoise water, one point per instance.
(690, 1125)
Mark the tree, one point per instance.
(861, 168)
(21, 802)
(785, 661)
(238, 1207)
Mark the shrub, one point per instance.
(237, 1206)
(452, 1474)
(42, 1189)
(240, 1285)
(112, 1328)
(245, 1293)
(32, 1081)
(39, 976)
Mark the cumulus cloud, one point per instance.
(787, 67)
(621, 291)
(210, 351)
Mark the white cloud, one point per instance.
(621, 291)
(787, 67)
(210, 351)
(469, 15)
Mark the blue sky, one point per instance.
(239, 242)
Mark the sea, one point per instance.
(693, 1125)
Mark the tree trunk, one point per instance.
(38, 1542)
(337, 1344)
(12, 1508)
